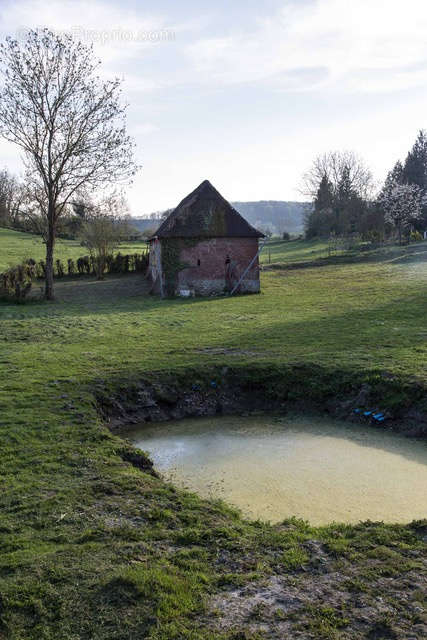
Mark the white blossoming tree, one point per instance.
(402, 205)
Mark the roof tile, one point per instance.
(205, 213)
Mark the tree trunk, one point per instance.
(100, 267)
(50, 243)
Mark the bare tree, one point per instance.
(159, 216)
(70, 124)
(11, 198)
(4, 197)
(105, 226)
(334, 166)
(267, 229)
(282, 226)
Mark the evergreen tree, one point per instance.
(340, 185)
(415, 172)
(395, 176)
(325, 197)
(320, 218)
(345, 200)
(415, 167)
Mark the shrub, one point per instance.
(83, 265)
(374, 236)
(415, 236)
(71, 267)
(16, 282)
(41, 269)
(141, 262)
(87, 265)
(59, 269)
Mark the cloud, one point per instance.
(116, 31)
(367, 46)
(144, 128)
(227, 74)
(358, 46)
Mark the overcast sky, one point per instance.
(247, 92)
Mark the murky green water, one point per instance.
(272, 468)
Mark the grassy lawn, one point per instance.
(357, 316)
(278, 253)
(93, 547)
(16, 246)
(294, 251)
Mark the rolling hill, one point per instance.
(277, 215)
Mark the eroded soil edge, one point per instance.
(240, 391)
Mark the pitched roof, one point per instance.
(205, 213)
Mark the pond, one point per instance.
(272, 468)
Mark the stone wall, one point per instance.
(155, 267)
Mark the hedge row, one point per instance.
(16, 282)
(86, 265)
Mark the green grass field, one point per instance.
(277, 251)
(16, 246)
(93, 547)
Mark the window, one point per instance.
(198, 262)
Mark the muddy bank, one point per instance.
(402, 403)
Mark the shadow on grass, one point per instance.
(407, 255)
(415, 255)
(85, 295)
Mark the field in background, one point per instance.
(16, 246)
(278, 251)
(356, 315)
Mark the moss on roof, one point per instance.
(204, 213)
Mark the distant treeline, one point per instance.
(345, 201)
(269, 216)
(16, 212)
(275, 216)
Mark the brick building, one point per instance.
(204, 247)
